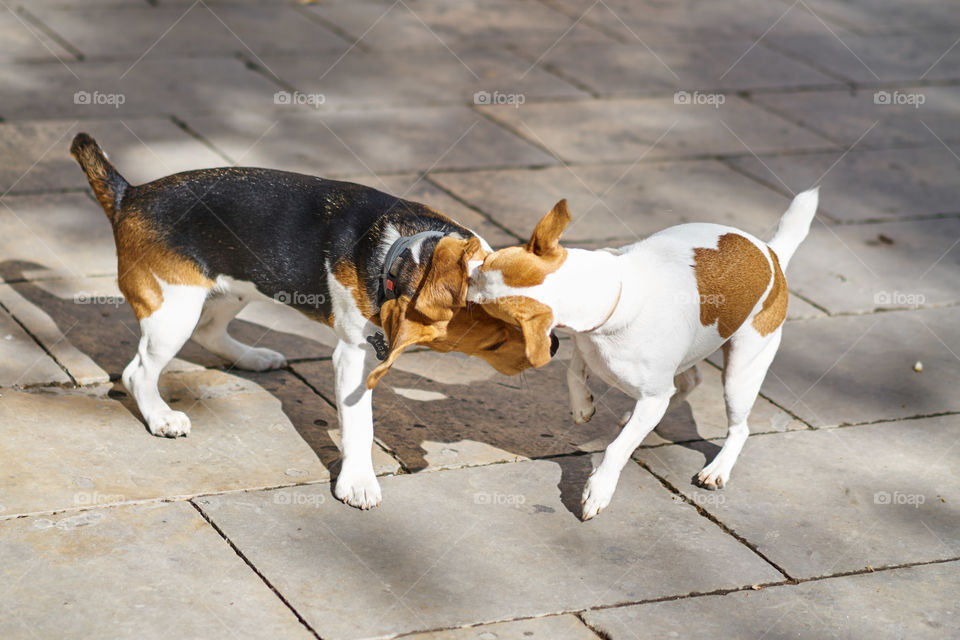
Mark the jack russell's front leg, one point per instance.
(603, 481)
(581, 400)
(357, 483)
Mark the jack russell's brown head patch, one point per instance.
(731, 279)
(530, 264)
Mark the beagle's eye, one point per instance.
(496, 346)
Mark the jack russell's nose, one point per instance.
(554, 344)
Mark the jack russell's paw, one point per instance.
(260, 359)
(583, 411)
(713, 477)
(169, 424)
(360, 490)
(597, 494)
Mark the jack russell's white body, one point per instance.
(644, 315)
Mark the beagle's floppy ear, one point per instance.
(546, 236)
(424, 317)
(404, 327)
(445, 285)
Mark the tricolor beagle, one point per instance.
(645, 314)
(195, 247)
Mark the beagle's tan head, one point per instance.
(438, 315)
(504, 275)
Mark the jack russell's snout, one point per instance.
(554, 344)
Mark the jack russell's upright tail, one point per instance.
(794, 225)
(107, 183)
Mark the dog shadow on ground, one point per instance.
(496, 418)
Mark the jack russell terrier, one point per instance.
(194, 248)
(642, 317)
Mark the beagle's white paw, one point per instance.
(358, 489)
(260, 359)
(597, 494)
(169, 424)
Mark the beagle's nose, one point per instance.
(554, 344)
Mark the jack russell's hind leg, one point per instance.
(581, 400)
(746, 359)
(162, 334)
(603, 481)
(211, 334)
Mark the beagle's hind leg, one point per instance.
(211, 334)
(162, 333)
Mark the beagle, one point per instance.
(642, 316)
(194, 248)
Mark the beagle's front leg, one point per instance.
(357, 483)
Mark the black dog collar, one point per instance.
(390, 269)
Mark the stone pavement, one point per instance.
(842, 515)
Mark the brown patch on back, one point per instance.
(730, 280)
(141, 259)
(774, 309)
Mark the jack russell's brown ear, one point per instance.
(546, 236)
(424, 318)
(535, 320)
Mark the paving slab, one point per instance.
(57, 234)
(37, 158)
(694, 22)
(914, 602)
(477, 545)
(631, 68)
(88, 326)
(887, 16)
(23, 362)
(853, 369)
(81, 368)
(399, 78)
(21, 41)
(874, 58)
(434, 24)
(71, 449)
(620, 204)
(866, 185)
(886, 265)
(157, 32)
(823, 502)
(349, 144)
(893, 116)
(147, 571)
(627, 130)
(152, 86)
(565, 627)
(314, 418)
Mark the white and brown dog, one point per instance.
(194, 248)
(644, 315)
